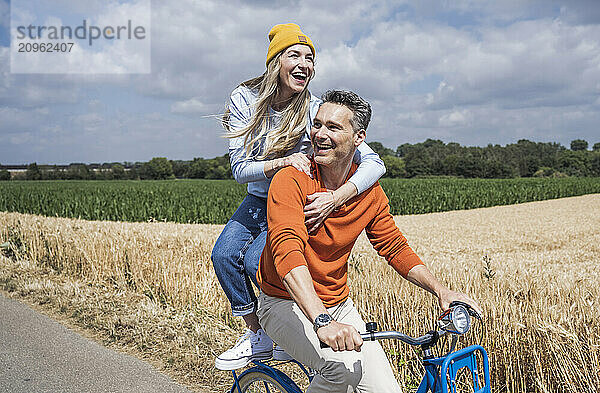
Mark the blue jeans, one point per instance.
(237, 251)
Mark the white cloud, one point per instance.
(20, 138)
(21, 120)
(192, 105)
(95, 105)
(33, 90)
(532, 63)
(455, 118)
(88, 122)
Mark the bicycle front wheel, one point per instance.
(258, 382)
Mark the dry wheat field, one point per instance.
(149, 289)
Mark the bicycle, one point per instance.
(440, 372)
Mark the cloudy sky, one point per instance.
(473, 72)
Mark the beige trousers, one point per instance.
(343, 372)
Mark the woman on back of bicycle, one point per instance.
(268, 120)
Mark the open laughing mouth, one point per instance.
(322, 147)
(300, 77)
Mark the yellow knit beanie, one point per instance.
(285, 35)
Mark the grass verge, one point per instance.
(180, 342)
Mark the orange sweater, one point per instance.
(326, 252)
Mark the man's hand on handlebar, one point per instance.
(340, 337)
(448, 296)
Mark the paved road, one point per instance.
(39, 355)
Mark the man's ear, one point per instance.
(359, 137)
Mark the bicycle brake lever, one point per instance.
(470, 309)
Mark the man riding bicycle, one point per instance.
(303, 278)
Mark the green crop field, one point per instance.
(418, 196)
(187, 201)
(214, 201)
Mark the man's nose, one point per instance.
(320, 133)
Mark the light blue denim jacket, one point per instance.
(251, 171)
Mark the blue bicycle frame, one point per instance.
(440, 373)
(443, 380)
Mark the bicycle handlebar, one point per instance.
(428, 338)
(425, 339)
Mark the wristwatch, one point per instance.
(322, 320)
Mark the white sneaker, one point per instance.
(251, 346)
(280, 354)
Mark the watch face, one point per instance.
(322, 320)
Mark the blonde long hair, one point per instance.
(293, 122)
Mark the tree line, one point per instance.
(429, 158)
(158, 168)
(521, 159)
